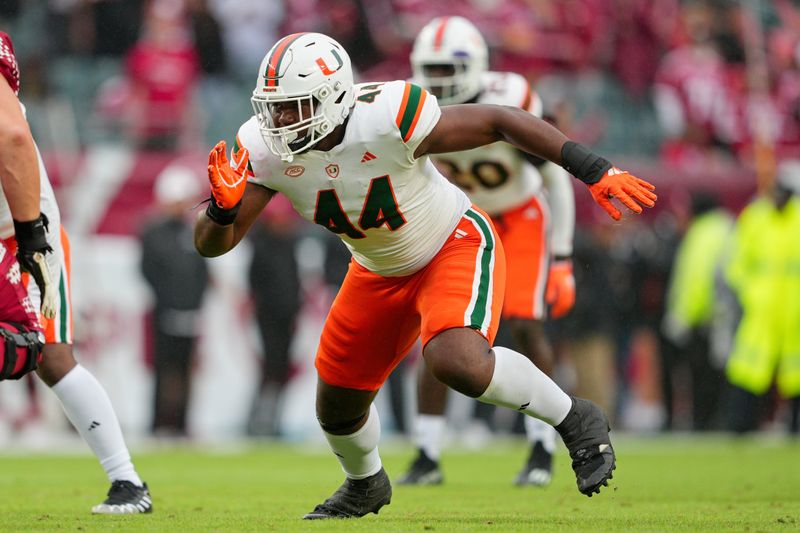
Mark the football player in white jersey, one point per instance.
(530, 202)
(84, 400)
(426, 262)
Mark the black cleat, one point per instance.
(125, 498)
(538, 471)
(585, 433)
(423, 471)
(355, 498)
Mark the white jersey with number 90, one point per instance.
(497, 177)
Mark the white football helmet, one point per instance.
(310, 71)
(448, 59)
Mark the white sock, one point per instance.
(88, 408)
(358, 452)
(540, 431)
(518, 384)
(428, 434)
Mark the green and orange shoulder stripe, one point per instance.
(412, 105)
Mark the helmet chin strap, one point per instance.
(292, 138)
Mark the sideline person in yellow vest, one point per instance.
(691, 308)
(764, 271)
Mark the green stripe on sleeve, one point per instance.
(414, 94)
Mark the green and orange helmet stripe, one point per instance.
(276, 56)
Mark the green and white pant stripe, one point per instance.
(62, 323)
(63, 320)
(478, 314)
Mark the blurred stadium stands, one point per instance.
(693, 95)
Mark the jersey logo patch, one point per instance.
(332, 170)
(295, 171)
(368, 156)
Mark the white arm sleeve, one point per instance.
(561, 198)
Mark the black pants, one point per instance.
(172, 360)
(707, 381)
(746, 410)
(276, 337)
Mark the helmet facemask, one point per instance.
(311, 126)
(448, 82)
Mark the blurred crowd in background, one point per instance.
(701, 97)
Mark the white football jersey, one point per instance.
(497, 177)
(48, 204)
(10, 71)
(394, 212)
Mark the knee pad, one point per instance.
(21, 351)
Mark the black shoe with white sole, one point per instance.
(423, 471)
(538, 470)
(124, 497)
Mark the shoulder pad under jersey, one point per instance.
(509, 88)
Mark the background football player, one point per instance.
(530, 201)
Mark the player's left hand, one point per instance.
(32, 247)
(626, 188)
(560, 292)
(228, 179)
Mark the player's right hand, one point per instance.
(626, 188)
(228, 179)
(32, 246)
(560, 291)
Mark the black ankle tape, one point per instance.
(582, 163)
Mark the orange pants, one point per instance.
(375, 320)
(524, 231)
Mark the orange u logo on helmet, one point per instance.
(324, 66)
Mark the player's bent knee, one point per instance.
(461, 359)
(21, 351)
(57, 361)
(340, 410)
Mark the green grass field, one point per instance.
(661, 484)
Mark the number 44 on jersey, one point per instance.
(380, 208)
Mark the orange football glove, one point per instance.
(626, 188)
(560, 292)
(228, 180)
